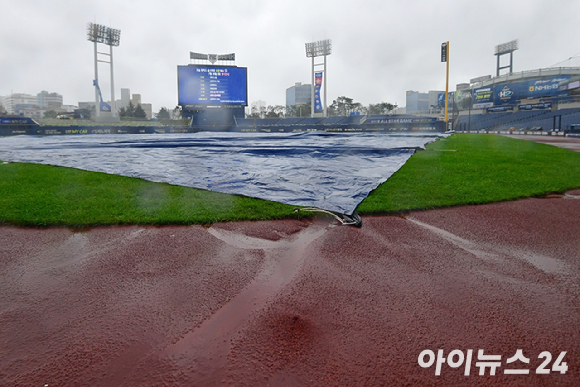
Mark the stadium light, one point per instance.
(101, 34)
(319, 48)
(314, 49)
(506, 48)
(98, 33)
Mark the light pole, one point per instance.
(98, 33)
(445, 58)
(506, 48)
(470, 103)
(314, 49)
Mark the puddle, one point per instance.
(541, 262)
(204, 351)
(552, 196)
(245, 242)
(463, 244)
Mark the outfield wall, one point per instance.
(25, 127)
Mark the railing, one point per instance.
(555, 71)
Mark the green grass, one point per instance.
(462, 169)
(41, 195)
(475, 169)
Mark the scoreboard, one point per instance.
(212, 85)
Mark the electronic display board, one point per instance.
(212, 85)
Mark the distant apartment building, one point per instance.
(135, 99)
(32, 106)
(51, 101)
(298, 94)
(148, 109)
(417, 102)
(125, 98)
(17, 101)
(87, 105)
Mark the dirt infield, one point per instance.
(571, 143)
(291, 303)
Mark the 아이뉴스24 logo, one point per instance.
(491, 363)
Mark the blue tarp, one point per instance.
(331, 171)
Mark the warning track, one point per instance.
(290, 303)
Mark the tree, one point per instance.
(50, 114)
(176, 113)
(357, 107)
(130, 111)
(342, 106)
(259, 112)
(139, 112)
(163, 114)
(122, 112)
(274, 111)
(381, 108)
(300, 110)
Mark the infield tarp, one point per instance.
(331, 171)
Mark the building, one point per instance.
(50, 101)
(298, 94)
(434, 97)
(33, 106)
(148, 109)
(87, 105)
(135, 99)
(400, 110)
(15, 102)
(125, 98)
(417, 102)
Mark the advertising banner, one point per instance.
(508, 94)
(318, 85)
(105, 107)
(16, 121)
(483, 97)
(542, 105)
(500, 108)
(545, 87)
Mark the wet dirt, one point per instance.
(294, 303)
(570, 143)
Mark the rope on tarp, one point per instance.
(345, 220)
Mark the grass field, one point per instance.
(462, 169)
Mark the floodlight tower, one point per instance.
(506, 48)
(314, 49)
(98, 33)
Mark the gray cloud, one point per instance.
(380, 48)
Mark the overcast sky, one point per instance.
(381, 48)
